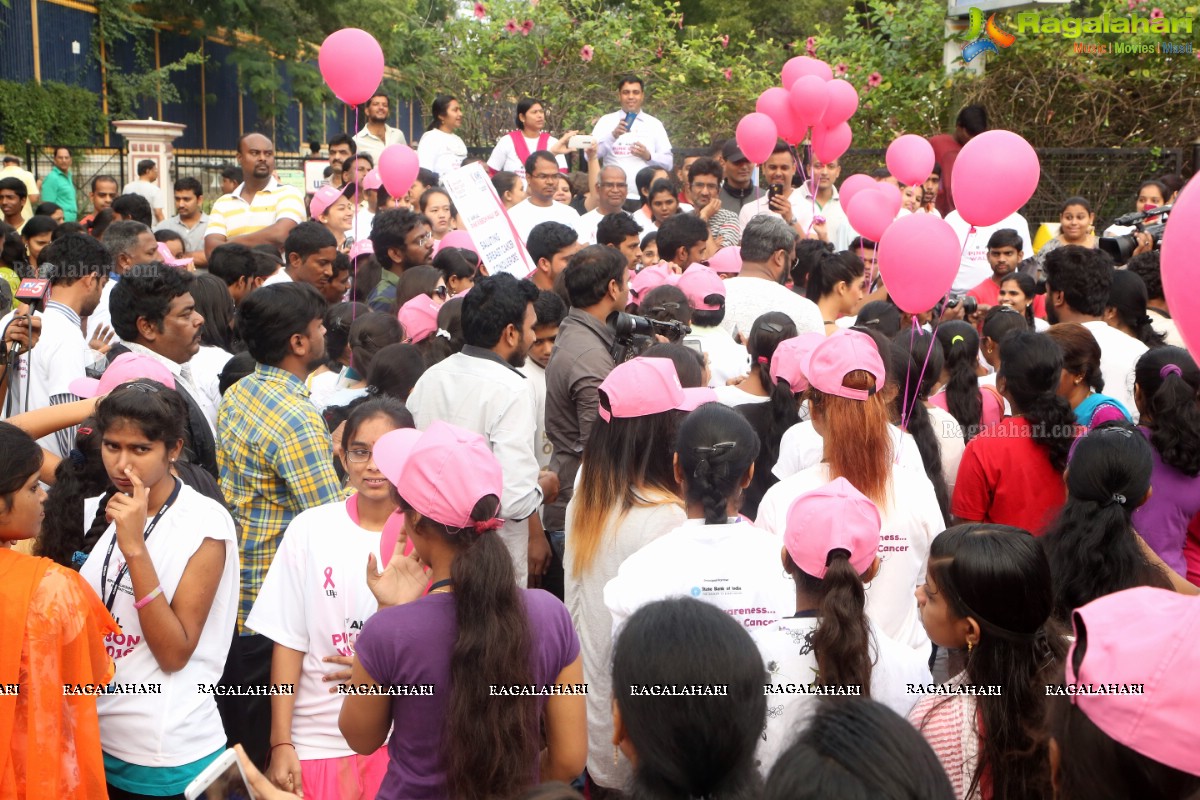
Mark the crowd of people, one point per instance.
(692, 509)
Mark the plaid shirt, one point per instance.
(276, 459)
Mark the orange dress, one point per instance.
(53, 626)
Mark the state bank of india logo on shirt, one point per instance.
(695, 591)
(985, 38)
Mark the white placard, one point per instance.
(314, 174)
(482, 211)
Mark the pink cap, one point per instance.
(727, 261)
(651, 278)
(698, 283)
(418, 317)
(835, 517)
(442, 473)
(125, 368)
(1147, 636)
(644, 386)
(363, 247)
(323, 199)
(843, 352)
(372, 180)
(460, 239)
(164, 255)
(789, 355)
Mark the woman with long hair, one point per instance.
(626, 497)
(1018, 291)
(369, 334)
(527, 137)
(510, 186)
(916, 363)
(1166, 388)
(998, 322)
(458, 267)
(1126, 310)
(988, 591)
(312, 605)
(216, 334)
(975, 406)
(441, 149)
(1011, 474)
(477, 632)
(437, 206)
(54, 629)
(835, 284)
(830, 550)
(763, 337)
(1082, 384)
(330, 376)
(689, 746)
(846, 380)
(167, 569)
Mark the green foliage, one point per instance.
(45, 113)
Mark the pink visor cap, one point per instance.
(644, 386)
(363, 247)
(460, 239)
(1146, 636)
(165, 256)
(418, 317)
(372, 180)
(323, 199)
(442, 472)
(699, 284)
(651, 278)
(125, 368)
(789, 355)
(835, 517)
(827, 364)
(727, 261)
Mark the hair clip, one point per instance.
(956, 339)
(442, 332)
(1170, 369)
(763, 360)
(716, 449)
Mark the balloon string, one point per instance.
(354, 265)
(907, 409)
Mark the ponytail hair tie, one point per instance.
(77, 457)
(1170, 369)
(486, 525)
(956, 339)
(1119, 499)
(763, 360)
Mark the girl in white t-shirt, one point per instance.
(440, 149)
(167, 569)
(530, 135)
(313, 602)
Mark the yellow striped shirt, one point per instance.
(232, 216)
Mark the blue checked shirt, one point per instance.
(275, 457)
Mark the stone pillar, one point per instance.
(152, 139)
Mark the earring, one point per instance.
(970, 646)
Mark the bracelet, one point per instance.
(145, 601)
(281, 744)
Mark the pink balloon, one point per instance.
(1180, 244)
(776, 103)
(994, 175)
(830, 143)
(852, 186)
(894, 198)
(843, 102)
(800, 66)
(756, 136)
(918, 259)
(910, 159)
(351, 63)
(398, 167)
(809, 98)
(870, 213)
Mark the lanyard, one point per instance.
(112, 595)
(433, 587)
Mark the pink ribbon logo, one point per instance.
(329, 578)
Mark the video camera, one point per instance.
(1121, 247)
(634, 334)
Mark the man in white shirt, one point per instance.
(975, 268)
(1078, 280)
(147, 186)
(705, 292)
(632, 139)
(542, 172)
(768, 252)
(12, 169)
(611, 190)
(796, 206)
(480, 389)
(376, 135)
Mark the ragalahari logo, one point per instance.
(984, 38)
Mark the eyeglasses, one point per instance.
(426, 239)
(359, 456)
(441, 291)
(144, 388)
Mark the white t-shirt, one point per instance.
(734, 566)
(206, 370)
(802, 447)
(911, 518)
(536, 374)
(101, 316)
(726, 358)
(1119, 354)
(646, 130)
(786, 648)
(278, 276)
(440, 151)
(747, 299)
(180, 725)
(736, 396)
(526, 216)
(950, 443)
(504, 155)
(974, 268)
(621, 538)
(589, 223)
(150, 191)
(315, 599)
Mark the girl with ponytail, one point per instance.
(1126, 309)
(845, 384)
(765, 335)
(1092, 547)
(475, 631)
(916, 362)
(1012, 474)
(835, 284)
(830, 551)
(714, 548)
(988, 591)
(67, 529)
(975, 406)
(1167, 385)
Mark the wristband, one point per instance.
(145, 601)
(281, 744)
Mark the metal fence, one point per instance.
(206, 165)
(87, 163)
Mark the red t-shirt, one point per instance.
(988, 294)
(945, 152)
(1007, 478)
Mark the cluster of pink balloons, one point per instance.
(808, 99)
(351, 63)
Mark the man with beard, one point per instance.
(276, 459)
(376, 134)
(259, 211)
(482, 390)
(341, 147)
